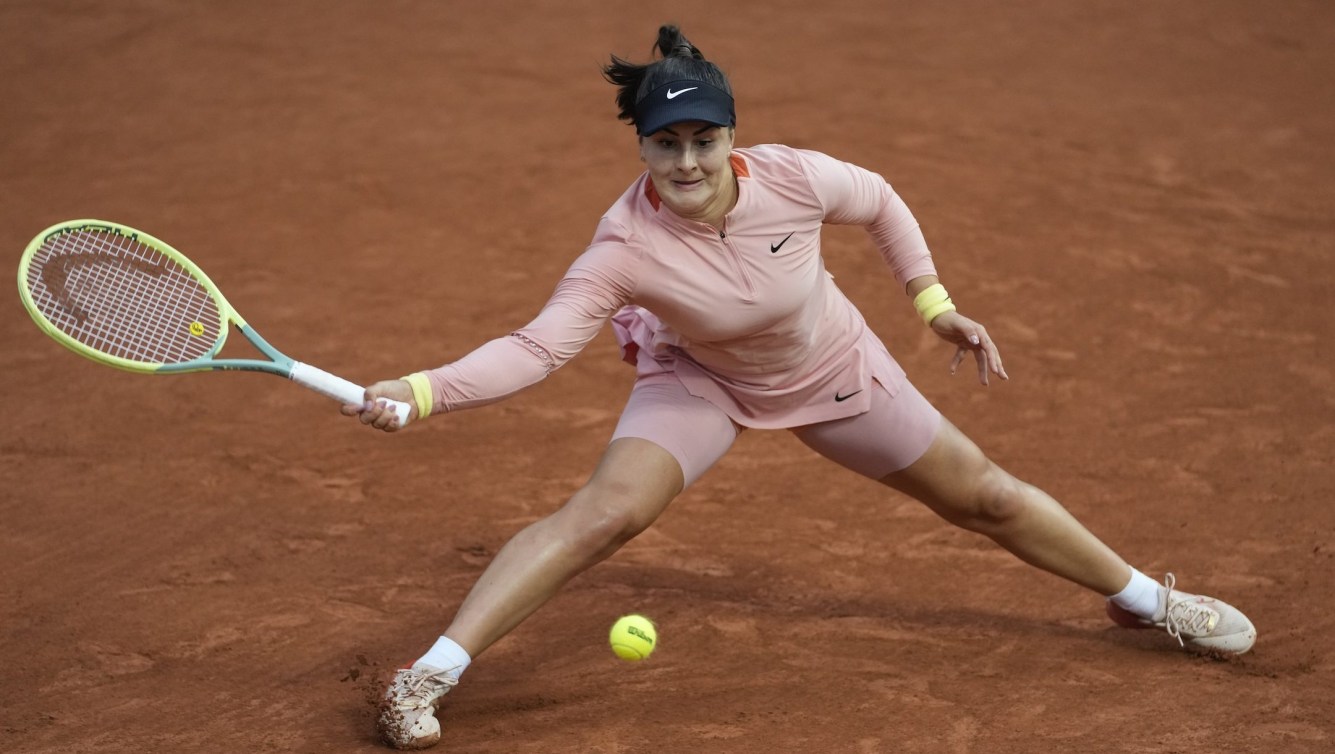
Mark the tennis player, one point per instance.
(709, 268)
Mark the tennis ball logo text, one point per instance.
(633, 631)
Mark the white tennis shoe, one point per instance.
(408, 711)
(1197, 622)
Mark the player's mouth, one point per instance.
(688, 185)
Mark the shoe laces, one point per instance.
(422, 688)
(1185, 614)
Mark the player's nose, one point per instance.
(686, 161)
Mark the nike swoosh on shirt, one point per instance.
(841, 398)
(673, 95)
(775, 248)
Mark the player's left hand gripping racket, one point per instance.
(123, 298)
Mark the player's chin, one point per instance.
(688, 205)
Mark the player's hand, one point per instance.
(376, 413)
(967, 336)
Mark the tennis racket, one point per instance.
(126, 299)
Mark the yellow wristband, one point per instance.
(932, 302)
(421, 393)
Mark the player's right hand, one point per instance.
(375, 412)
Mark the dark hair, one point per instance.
(680, 60)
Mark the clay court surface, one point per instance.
(1136, 198)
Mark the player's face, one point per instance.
(688, 163)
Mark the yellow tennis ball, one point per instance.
(633, 637)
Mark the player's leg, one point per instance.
(905, 443)
(633, 483)
(959, 483)
(666, 439)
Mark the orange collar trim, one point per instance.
(655, 200)
(739, 165)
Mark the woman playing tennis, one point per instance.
(709, 268)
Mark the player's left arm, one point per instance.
(852, 195)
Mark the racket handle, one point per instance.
(340, 389)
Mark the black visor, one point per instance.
(680, 101)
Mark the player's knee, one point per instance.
(606, 516)
(999, 499)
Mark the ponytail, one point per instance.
(679, 61)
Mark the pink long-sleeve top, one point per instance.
(747, 318)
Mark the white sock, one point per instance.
(1142, 596)
(445, 654)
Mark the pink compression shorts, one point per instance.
(894, 433)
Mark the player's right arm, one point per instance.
(370, 413)
(598, 284)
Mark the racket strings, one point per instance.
(158, 297)
(119, 296)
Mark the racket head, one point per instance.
(123, 298)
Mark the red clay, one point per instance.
(1135, 199)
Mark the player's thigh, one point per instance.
(954, 477)
(632, 484)
(693, 432)
(665, 440)
(890, 436)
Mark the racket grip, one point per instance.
(340, 389)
